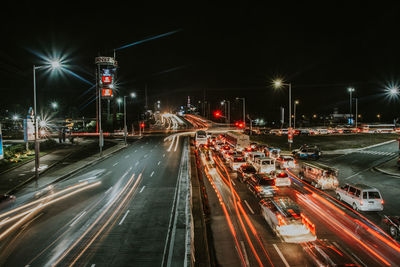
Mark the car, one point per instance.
(236, 162)
(285, 218)
(282, 179)
(264, 165)
(6, 199)
(261, 185)
(307, 152)
(360, 197)
(392, 224)
(245, 171)
(286, 162)
(251, 156)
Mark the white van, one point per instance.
(251, 156)
(264, 165)
(360, 197)
(200, 138)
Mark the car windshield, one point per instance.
(374, 195)
(201, 134)
(249, 169)
(266, 162)
(238, 160)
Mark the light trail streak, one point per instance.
(340, 227)
(148, 39)
(42, 199)
(60, 258)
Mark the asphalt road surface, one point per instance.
(114, 213)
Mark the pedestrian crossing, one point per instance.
(380, 153)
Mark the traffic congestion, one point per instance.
(299, 200)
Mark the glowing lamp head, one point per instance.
(350, 89)
(278, 83)
(55, 64)
(119, 100)
(394, 91)
(133, 94)
(54, 105)
(15, 117)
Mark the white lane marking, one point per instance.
(163, 155)
(115, 164)
(77, 219)
(126, 173)
(145, 156)
(351, 176)
(159, 163)
(136, 163)
(127, 156)
(233, 183)
(141, 147)
(151, 174)
(172, 143)
(123, 218)
(248, 206)
(93, 265)
(354, 258)
(281, 255)
(108, 190)
(177, 142)
(245, 253)
(141, 190)
(136, 150)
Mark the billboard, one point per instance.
(106, 79)
(29, 129)
(1, 145)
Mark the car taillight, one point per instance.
(281, 220)
(382, 201)
(257, 188)
(361, 203)
(310, 226)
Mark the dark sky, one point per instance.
(227, 50)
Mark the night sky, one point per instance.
(227, 51)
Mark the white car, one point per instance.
(236, 162)
(360, 197)
(251, 156)
(264, 165)
(286, 162)
(282, 179)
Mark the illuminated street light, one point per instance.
(278, 83)
(133, 94)
(54, 65)
(351, 90)
(54, 105)
(15, 117)
(296, 102)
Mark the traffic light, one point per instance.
(239, 124)
(142, 125)
(217, 114)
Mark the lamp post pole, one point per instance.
(37, 148)
(125, 129)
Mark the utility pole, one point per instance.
(146, 107)
(356, 112)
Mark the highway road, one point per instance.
(241, 236)
(118, 212)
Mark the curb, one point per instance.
(15, 188)
(386, 172)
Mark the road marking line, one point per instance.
(176, 144)
(281, 255)
(351, 176)
(163, 155)
(151, 174)
(233, 183)
(115, 164)
(136, 150)
(77, 219)
(136, 163)
(108, 190)
(127, 156)
(93, 265)
(245, 253)
(159, 163)
(123, 218)
(248, 206)
(141, 190)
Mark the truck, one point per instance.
(319, 175)
(238, 140)
(285, 218)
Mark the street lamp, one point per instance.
(119, 101)
(244, 110)
(351, 90)
(15, 117)
(296, 102)
(53, 65)
(133, 95)
(278, 84)
(54, 105)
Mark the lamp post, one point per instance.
(54, 105)
(296, 102)
(227, 110)
(53, 65)
(132, 95)
(277, 84)
(244, 110)
(351, 90)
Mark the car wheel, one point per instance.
(338, 197)
(393, 231)
(355, 207)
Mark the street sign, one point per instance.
(29, 129)
(106, 79)
(1, 145)
(290, 135)
(107, 92)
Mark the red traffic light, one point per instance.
(142, 125)
(217, 114)
(239, 124)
